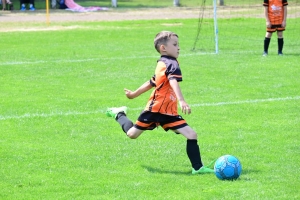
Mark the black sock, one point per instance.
(280, 45)
(125, 123)
(266, 44)
(193, 152)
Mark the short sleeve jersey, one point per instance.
(275, 10)
(163, 98)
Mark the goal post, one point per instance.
(114, 3)
(216, 26)
(176, 3)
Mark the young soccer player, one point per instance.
(161, 109)
(275, 14)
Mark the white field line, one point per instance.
(89, 59)
(112, 58)
(74, 113)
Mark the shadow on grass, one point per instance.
(246, 175)
(161, 171)
(292, 54)
(249, 171)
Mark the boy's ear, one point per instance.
(162, 48)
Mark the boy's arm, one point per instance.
(143, 88)
(183, 105)
(268, 23)
(284, 16)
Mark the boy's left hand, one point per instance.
(185, 108)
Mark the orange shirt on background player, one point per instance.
(275, 10)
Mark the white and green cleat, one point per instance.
(205, 169)
(113, 112)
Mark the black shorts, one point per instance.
(149, 120)
(274, 28)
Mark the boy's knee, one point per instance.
(193, 136)
(133, 133)
(131, 136)
(187, 132)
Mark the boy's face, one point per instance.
(171, 48)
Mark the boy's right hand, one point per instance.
(129, 94)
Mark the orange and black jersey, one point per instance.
(163, 99)
(275, 10)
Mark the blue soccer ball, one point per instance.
(227, 167)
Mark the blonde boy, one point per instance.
(161, 109)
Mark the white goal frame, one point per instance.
(216, 26)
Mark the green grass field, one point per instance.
(57, 143)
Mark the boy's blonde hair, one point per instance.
(162, 38)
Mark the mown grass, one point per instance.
(57, 143)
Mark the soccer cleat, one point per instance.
(280, 53)
(23, 8)
(203, 170)
(32, 9)
(211, 165)
(265, 53)
(113, 112)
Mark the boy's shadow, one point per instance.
(161, 171)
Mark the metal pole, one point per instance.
(216, 26)
(176, 3)
(114, 3)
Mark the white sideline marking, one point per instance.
(32, 115)
(247, 101)
(91, 59)
(112, 58)
(49, 61)
(28, 115)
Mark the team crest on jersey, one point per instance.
(173, 98)
(276, 10)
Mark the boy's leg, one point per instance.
(53, 3)
(267, 43)
(124, 122)
(119, 114)
(193, 150)
(134, 133)
(3, 4)
(280, 42)
(127, 126)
